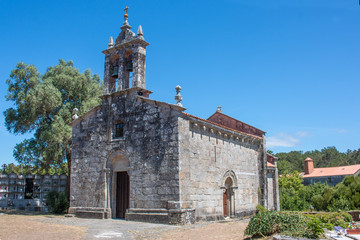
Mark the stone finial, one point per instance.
(178, 97)
(140, 31)
(219, 109)
(75, 116)
(126, 16)
(111, 42)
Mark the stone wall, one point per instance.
(149, 145)
(273, 198)
(206, 156)
(270, 185)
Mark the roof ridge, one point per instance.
(219, 125)
(236, 120)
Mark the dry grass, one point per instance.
(24, 226)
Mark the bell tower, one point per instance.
(125, 60)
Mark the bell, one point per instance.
(115, 73)
(129, 66)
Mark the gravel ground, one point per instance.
(22, 225)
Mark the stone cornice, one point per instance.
(204, 126)
(173, 106)
(226, 132)
(125, 91)
(126, 44)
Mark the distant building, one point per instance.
(329, 175)
(28, 192)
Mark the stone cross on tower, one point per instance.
(125, 60)
(126, 16)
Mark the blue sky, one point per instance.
(290, 68)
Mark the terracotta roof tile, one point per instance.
(333, 171)
(269, 164)
(192, 116)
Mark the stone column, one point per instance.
(108, 175)
(123, 75)
(106, 75)
(232, 202)
(276, 189)
(139, 57)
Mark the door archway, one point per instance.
(118, 185)
(228, 184)
(227, 198)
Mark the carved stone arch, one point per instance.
(224, 181)
(115, 156)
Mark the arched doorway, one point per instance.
(228, 185)
(118, 185)
(227, 197)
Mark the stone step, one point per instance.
(153, 217)
(148, 210)
(89, 214)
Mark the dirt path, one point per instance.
(30, 226)
(227, 230)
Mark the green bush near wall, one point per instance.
(57, 202)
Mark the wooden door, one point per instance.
(122, 194)
(225, 203)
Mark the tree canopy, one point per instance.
(326, 157)
(43, 105)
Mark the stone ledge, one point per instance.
(89, 214)
(148, 217)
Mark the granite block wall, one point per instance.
(149, 146)
(206, 155)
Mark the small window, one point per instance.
(118, 130)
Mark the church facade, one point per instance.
(145, 160)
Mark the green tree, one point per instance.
(294, 159)
(43, 105)
(292, 192)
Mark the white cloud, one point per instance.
(302, 134)
(282, 140)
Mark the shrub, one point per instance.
(270, 222)
(335, 219)
(57, 202)
(316, 228)
(260, 208)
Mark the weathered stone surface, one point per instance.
(181, 168)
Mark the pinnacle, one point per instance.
(140, 31)
(111, 42)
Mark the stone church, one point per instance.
(145, 160)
